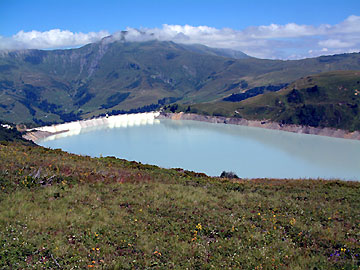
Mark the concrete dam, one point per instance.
(76, 127)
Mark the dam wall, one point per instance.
(76, 127)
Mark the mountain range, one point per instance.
(48, 86)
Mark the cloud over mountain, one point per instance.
(54, 38)
(289, 41)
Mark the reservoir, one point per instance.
(212, 148)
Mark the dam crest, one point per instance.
(74, 128)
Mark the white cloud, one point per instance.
(54, 38)
(350, 25)
(335, 43)
(288, 41)
(280, 31)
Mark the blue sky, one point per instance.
(38, 17)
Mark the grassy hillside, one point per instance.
(329, 99)
(67, 211)
(63, 85)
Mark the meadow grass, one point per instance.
(71, 212)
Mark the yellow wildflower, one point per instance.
(293, 221)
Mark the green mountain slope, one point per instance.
(63, 85)
(329, 99)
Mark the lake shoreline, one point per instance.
(329, 132)
(121, 120)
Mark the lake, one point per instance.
(212, 148)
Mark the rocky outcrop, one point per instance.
(331, 132)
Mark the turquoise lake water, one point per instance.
(213, 148)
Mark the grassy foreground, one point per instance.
(64, 211)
